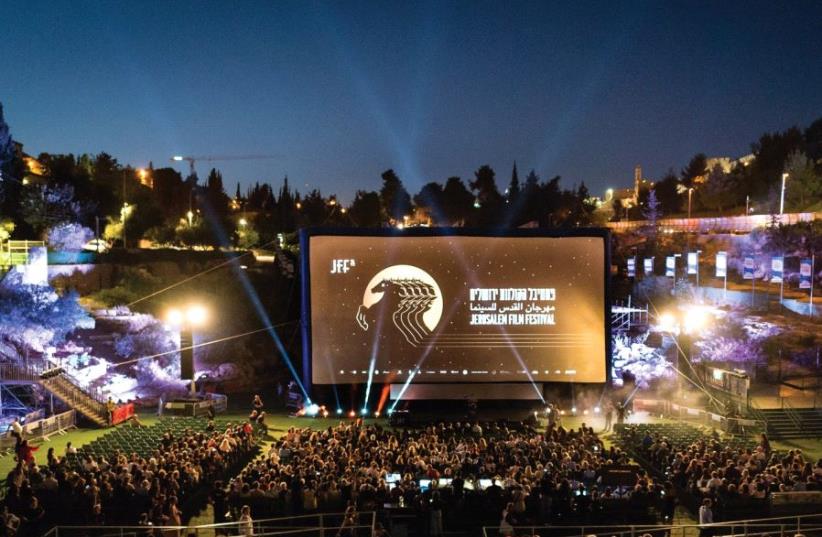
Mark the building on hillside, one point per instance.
(35, 172)
(628, 197)
(726, 164)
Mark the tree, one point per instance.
(771, 152)
(430, 198)
(667, 192)
(653, 209)
(396, 201)
(44, 206)
(552, 204)
(531, 197)
(718, 191)
(804, 185)
(215, 194)
(69, 236)
(247, 237)
(35, 317)
(457, 201)
(696, 167)
(365, 210)
(513, 190)
(487, 196)
(6, 147)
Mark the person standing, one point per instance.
(706, 518)
(609, 416)
(245, 523)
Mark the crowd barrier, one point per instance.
(42, 428)
(745, 426)
(122, 413)
(315, 525)
(808, 525)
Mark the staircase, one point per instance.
(793, 422)
(58, 383)
(77, 398)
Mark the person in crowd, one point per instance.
(706, 518)
(111, 406)
(257, 404)
(609, 416)
(16, 428)
(246, 523)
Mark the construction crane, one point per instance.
(192, 160)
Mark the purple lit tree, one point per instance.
(68, 236)
(35, 317)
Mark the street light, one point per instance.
(186, 319)
(125, 212)
(243, 222)
(190, 216)
(782, 195)
(690, 193)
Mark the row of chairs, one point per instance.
(141, 440)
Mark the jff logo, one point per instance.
(341, 266)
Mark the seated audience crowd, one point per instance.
(444, 473)
(121, 488)
(733, 476)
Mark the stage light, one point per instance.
(352, 414)
(174, 317)
(400, 225)
(574, 409)
(561, 412)
(597, 409)
(312, 409)
(364, 412)
(339, 411)
(585, 412)
(390, 411)
(377, 414)
(667, 322)
(196, 314)
(696, 318)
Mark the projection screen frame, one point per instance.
(305, 235)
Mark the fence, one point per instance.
(17, 252)
(42, 428)
(808, 525)
(318, 525)
(700, 416)
(728, 224)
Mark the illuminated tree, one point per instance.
(35, 317)
(69, 236)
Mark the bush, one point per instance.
(69, 236)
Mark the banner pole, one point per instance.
(782, 281)
(810, 300)
(753, 285)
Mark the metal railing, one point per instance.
(314, 525)
(808, 525)
(17, 252)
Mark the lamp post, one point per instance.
(125, 211)
(782, 195)
(690, 193)
(186, 319)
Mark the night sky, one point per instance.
(338, 92)
(573, 348)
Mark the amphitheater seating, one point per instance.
(140, 440)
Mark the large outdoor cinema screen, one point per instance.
(446, 305)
